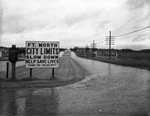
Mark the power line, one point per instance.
(100, 42)
(133, 31)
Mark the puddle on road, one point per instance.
(74, 99)
(109, 90)
(26, 102)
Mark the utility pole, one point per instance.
(109, 41)
(109, 44)
(93, 43)
(86, 49)
(93, 47)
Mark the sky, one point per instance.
(76, 22)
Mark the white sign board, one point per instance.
(42, 54)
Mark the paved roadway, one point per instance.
(68, 70)
(107, 90)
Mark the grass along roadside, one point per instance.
(143, 64)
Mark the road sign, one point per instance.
(42, 54)
(13, 54)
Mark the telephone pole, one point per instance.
(109, 44)
(109, 41)
(93, 43)
(93, 47)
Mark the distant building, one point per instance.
(0, 54)
(4, 52)
(80, 51)
(105, 53)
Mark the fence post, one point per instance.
(52, 72)
(30, 73)
(13, 76)
(7, 69)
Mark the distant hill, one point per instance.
(145, 51)
(1, 47)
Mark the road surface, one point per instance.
(69, 71)
(107, 90)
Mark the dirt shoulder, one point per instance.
(68, 72)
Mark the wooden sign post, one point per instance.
(13, 58)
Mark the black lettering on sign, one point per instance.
(41, 61)
(27, 61)
(52, 61)
(40, 45)
(55, 45)
(53, 64)
(56, 57)
(52, 51)
(31, 45)
(32, 50)
(57, 51)
(52, 57)
(33, 56)
(45, 64)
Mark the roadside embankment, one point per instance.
(143, 64)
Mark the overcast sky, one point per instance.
(76, 22)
